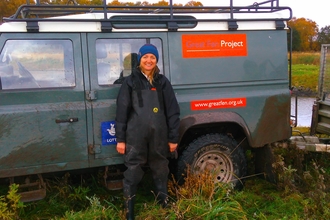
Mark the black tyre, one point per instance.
(216, 152)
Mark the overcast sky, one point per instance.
(315, 10)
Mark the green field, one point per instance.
(305, 76)
(305, 71)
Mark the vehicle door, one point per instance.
(112, 56)
(42, 104)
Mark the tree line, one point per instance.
(306, 35)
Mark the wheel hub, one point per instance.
(216, 162)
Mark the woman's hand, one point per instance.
(172, 146)
(121, 147)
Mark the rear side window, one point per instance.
(116, 58)
(34, 64)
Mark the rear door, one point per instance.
(112, 57)
(42, 104)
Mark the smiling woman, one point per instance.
(146, 100)
(148, 58)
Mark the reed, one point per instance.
(307, 58)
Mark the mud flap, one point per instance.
(264, 159)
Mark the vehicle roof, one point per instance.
(77, 18)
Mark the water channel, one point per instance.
(305, 106)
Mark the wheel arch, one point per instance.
(195, 125)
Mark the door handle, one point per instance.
(69, 120)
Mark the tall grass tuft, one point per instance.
(201, 198)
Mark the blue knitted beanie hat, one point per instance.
(147, 48)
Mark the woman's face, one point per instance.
(148, 62)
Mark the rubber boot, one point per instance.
(129, 196)
(161, 192)
(130, 208)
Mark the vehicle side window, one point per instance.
(116, 58)
(31, 64)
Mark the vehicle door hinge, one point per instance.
(91, 95)
(94, 149)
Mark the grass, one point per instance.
(305, 77)
(301, 193)
(262, 200)
(305, 71)
(308, 58)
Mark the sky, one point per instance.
(315, 10)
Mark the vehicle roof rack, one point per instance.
(170, 16)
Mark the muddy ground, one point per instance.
(303, 92)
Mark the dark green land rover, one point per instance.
(61, 67)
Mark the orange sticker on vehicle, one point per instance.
(218, 103)
(213, 45)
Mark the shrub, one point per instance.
(10, 205)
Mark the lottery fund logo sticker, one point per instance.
(108, 133)
(213, 45)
